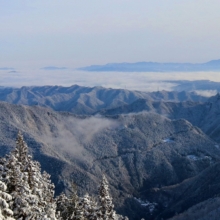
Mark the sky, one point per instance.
(71, 33)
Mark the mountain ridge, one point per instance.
(86, 100)
(204, 115)
(213, 65)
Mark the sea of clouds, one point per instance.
(142, 81)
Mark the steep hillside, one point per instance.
(191, 194)
(137, 152)
(203, 115)
(207, 210)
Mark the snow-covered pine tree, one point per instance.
(90, 207)
(70, 208)
(32, 192)
(106, 211)
(62, 206)
(74, 210)
(78, 213)
(5, 212)
(77, 208)
(42, 190)
(15, 178)
(120, 217)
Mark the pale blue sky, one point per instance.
(75, 33)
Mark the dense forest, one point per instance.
(26, 193)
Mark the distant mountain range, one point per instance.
(85, 100)
(213, 65)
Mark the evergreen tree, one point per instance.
(76, 208)
(14, 176)
(120, 217)
(32, 192)
(90, 208)
(5, 212)
(70, 208)
(106, 211)
(62, 203)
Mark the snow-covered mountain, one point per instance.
(86, 100)
(151, 146)
(204, 115)
(137, 152)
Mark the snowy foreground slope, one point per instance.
(139, 153)
(26, 193)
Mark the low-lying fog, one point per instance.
(142, 81)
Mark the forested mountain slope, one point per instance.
(189, 193)
(145, 143)
(27, 193)
(206, 210)
(85, 100)
(137, 152)
(203, 115)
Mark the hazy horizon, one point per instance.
(73, 34)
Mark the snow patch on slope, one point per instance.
(194, 157)
(168, 140)
(151, 206)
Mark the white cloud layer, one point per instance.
(206, 93)
(124, 80)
